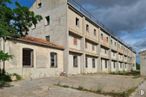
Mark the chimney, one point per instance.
(48, 38)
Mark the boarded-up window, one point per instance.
(75, 41)
(27, 57)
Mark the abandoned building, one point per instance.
(88, 47)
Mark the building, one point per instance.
(32, 57)
(89, 47)
(143, 62)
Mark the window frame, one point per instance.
(55, 59)
(87, 28)
(86, 62)
(77, 21)
(93, 62)
(31, 56)
(75, 41)
(75, 61)
(47, 18)
(95, 32)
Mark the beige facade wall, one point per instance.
(143, 63)
(67, 23)
(41, 60)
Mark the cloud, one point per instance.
(140, 44)
(118, 15)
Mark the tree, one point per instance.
(14, 23)
(17, 21)
(6, 15)
(4, 57)
(24, 19)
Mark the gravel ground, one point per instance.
(141, 88)
(104, 83)
(46, 87)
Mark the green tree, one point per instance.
(24, 19)
(15, 23)
(4, 57)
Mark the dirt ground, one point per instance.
(73, 86)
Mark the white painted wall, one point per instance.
(41, 60)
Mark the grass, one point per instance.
(99, 91)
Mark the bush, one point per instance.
(5, 77)
(18, 77)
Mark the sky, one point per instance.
(125, 18)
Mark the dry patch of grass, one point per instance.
(127, 93)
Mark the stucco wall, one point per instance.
(143, 63)
(41, 60)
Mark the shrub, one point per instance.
(18, 77)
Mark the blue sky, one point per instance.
(27, 3)
(126, 18)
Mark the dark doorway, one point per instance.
(27, 57)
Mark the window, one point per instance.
(120, 65)
(113, 54)
(107, 39)
(39, 4)
(75, 42)
(111, 41)
(101, 36)
(95, 32)
(86, 45)
(53, 59)
(77, 22)
(27, 57)
(93, 63)
(105, 63)
(86, 62)
(75, 61)
(87, 28)
(115, 43)
(105, 51)
(114, 64)
(93, 47)
(48, 20)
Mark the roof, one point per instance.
(38, 41)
